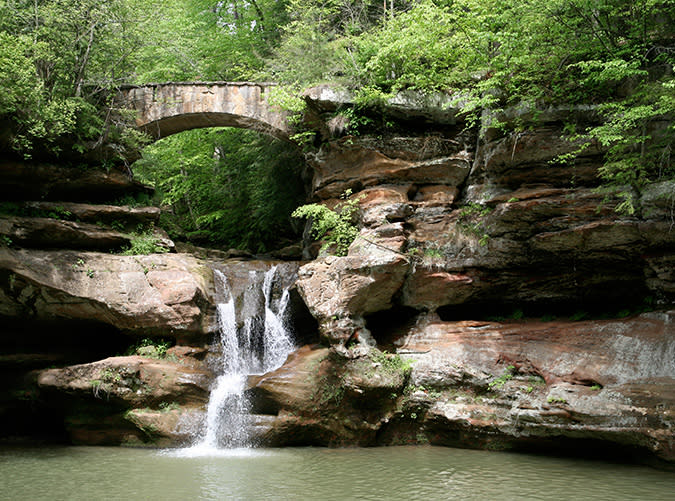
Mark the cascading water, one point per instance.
(256, 344)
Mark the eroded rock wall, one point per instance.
(483, 266)
(449, 219)
(482, 262)
(590, 386)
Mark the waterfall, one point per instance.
(255, 340)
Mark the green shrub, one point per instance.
(472, 221)
(152, 348)
(144, 242)
(336, 227)
(501, 380)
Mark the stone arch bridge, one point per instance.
(167, 108)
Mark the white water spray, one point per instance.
(259, 345)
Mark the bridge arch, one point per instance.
(168, 108)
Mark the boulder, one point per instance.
(131, 400)
(131, 381)
(157, 294)
(319, 397)
(384, 204)
(339, 290)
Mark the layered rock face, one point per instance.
(477, 262)
(103, 347)
(518, 308)
(502, 224)
(588, 386)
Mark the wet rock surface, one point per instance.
(322, 397)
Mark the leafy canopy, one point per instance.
(615, 54)
(226, 187)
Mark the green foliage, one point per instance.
(354, 120)
(639, 133)
(107, 378)
(336, 227)
(143, 241)
(617, 54)
(153, 348)
(38, 116)
(415, 49)
(226, 187)
(315, 44)
(502, 380)
(429, 392)
(287, 97)
(208, 40)
(391, 364)
(58, 59)
(433, 253)
(472, 220)
(141, 199)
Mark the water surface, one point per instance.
(391, 473)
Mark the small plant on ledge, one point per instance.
(501, 380)
(335, 227)
(143, 241)
(151, 348)
(472, 221)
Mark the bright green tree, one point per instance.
(66, 56)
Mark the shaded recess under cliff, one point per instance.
(28, 346)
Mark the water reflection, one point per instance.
(394, 473)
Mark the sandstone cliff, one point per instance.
(517, 307)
